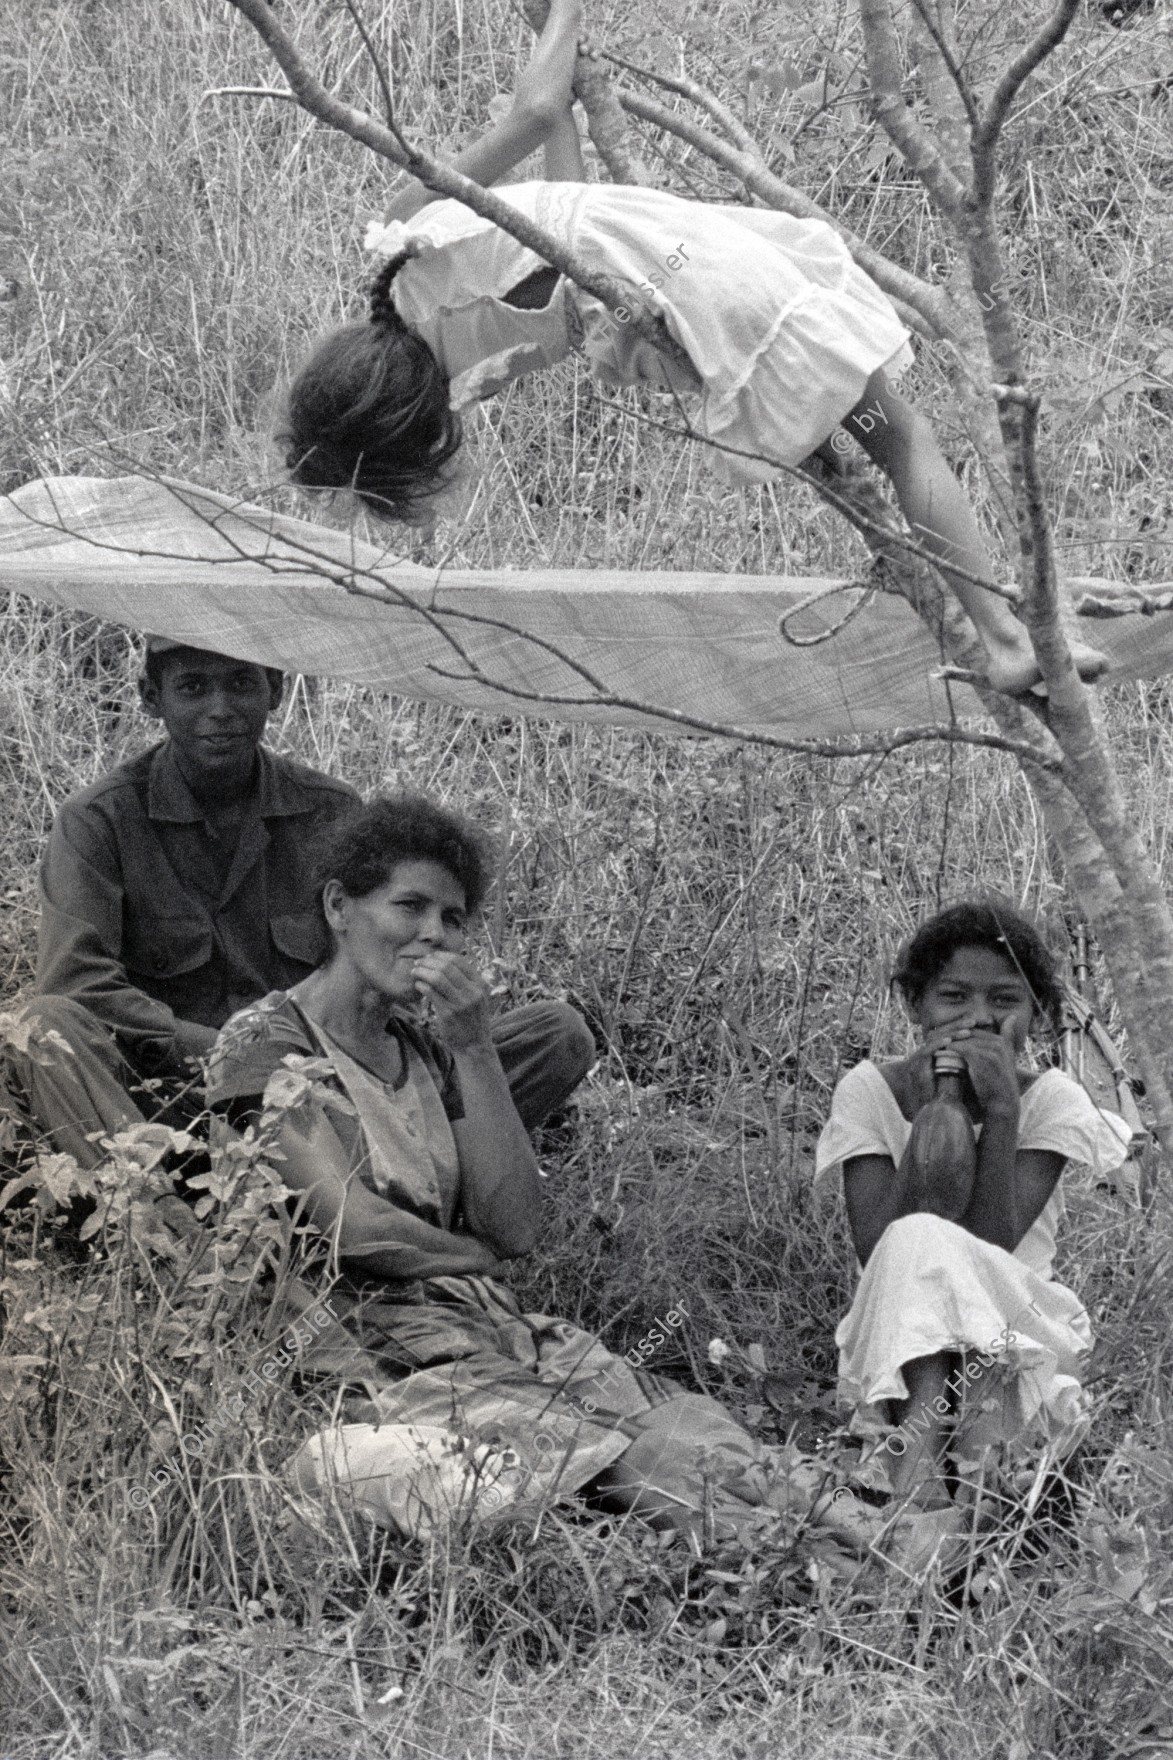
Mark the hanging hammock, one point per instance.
(184, 562)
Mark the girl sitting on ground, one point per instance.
(959, 1337)
(790, 347)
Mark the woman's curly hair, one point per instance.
(980, 922)
(362, 852)
(369, 411)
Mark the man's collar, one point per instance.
(274, 793)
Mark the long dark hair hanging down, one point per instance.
(369, 411)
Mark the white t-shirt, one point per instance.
(1055, 1113)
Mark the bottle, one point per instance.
(942, 1149)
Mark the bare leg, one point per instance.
(901, 442)
(925, 1429)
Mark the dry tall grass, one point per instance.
(724, 918)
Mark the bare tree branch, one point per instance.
(1087, 769)
(895, 117)
(1041, 595)
(985, 137)
(974, 221)
(376, 62)
(698, 95)
(607, 124)
(879, 745)
(946, 50)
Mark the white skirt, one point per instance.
(932, 1286)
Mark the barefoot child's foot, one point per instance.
(1013, 669)
(1089, 662)
(919, 1540)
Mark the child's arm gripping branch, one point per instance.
(563, 151)
(540, 117)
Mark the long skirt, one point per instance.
(931, 1286)
(473, 1404)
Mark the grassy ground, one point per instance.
(724, 918)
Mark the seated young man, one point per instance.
(176, 890)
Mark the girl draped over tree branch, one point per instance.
(789, 351)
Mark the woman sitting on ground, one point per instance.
(413, 1165)
(958, 1335)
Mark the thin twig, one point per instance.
(696, 94)
(945, 51)
(680, 718)
(376, 63)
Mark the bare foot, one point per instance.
(1014, 671)
(1089, 662)
(920, 1539)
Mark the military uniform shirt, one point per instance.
(149, 917)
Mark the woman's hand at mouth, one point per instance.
(458, 997)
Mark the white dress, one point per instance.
(931, 1286)
(782, 329)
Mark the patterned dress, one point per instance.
(471, 1400)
